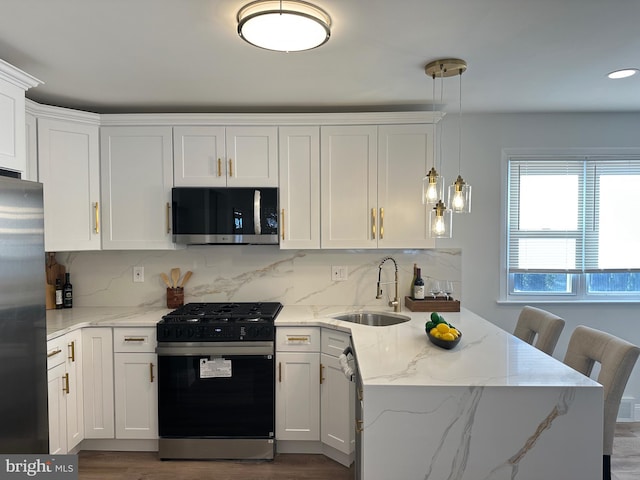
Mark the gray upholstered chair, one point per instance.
(539, 325)
(617, 358)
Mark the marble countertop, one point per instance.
(399, 355)
(402, 355)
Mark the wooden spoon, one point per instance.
(175, 276)
(186, 278)
(166, 279)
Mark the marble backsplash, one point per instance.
(253, 273)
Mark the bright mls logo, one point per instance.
(51, 467)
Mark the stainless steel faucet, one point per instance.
(395, 303)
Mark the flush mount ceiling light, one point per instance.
(284, 25)
(627, 72)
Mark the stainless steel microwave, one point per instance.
(210, 215)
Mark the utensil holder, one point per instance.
(175, 297)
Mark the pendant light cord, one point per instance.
(441, 127)
(460, 124)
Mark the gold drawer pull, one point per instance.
(297, 339)
(381, 223)
(373, 223)
(168, 218)
(55, 352)
(219, 167)
(97, 217)
(279, 372)
(230, 167)
(151, 377)
(134, 339)
(72, 347)
(321, 372)
(65, 387)
(282, 224)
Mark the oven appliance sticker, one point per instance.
(215, 368)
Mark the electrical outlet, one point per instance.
(138, 274)
(338, 273)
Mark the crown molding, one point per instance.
(17, 77)
(361, 118)
(60, 113)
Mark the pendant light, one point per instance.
(284, 25)
(440, 221)
(433, 182)
(460, 191)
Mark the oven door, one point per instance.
(213, 390)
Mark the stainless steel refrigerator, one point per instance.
(24, 424)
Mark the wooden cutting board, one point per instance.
(54, 270)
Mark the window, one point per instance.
(572, 228)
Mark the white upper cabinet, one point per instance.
(371, 186)
(31, 140)
(13, 84)
(348, 166)
(136, 172)
(405, 155)
(299, 170)
(241, 156)
(69, 169)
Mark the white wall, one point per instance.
(478, 235)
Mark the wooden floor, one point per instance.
(625, 465)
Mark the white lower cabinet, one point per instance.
(135, 383)
(315, 402)
(66, 414)
(298, 383)
(337, 395)
(97, 366)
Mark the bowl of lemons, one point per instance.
(442, 333)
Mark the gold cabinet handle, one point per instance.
(360, 397)
(279, 372)
(381, 223)
(96, 209)
(373, 223)
(55, 352)
(321, 373)
(168, 220)
(151, 377)
(72, 349)
(134, 339)
(230, 167)
(65, 387)
(359, 427)
(282, 226)
(219, 167)
(297, 339)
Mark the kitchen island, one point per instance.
(494, 407)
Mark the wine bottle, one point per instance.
(58, 293)
(67, 292)
(418, 286)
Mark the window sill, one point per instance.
(567, 301)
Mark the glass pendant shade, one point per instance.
(460, 196)
(432, 185)
(440, 221)
(284, 26)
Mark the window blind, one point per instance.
(573, 215)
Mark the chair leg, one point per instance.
(606, 467)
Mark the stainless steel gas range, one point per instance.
(216, 381)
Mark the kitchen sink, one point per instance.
(373, 319)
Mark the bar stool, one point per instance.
(546, 326)
(617, 358)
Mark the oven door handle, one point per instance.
(208, 349)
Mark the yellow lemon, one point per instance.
(448, 336)
(443, 328)
(455, 331)
(433, 331)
